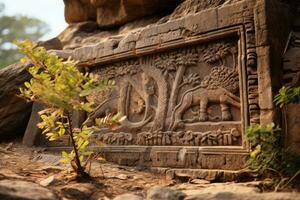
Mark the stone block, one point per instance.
(264, 78)
(204, 21)
(33, 134)
(233, 14)
(293, 127)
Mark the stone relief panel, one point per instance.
(188, 96)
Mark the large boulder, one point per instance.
(111, 13)
(23, 190)
(164, 193)
(128, 197)
(14, 111)
(79, 11)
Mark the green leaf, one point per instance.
(257, 151)
(64, 154)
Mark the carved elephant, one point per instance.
(202, 96)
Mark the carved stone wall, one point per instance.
(188, 86)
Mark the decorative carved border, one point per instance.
(247, 75)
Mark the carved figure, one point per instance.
(161, 93)
(139, 106)
(117, 138)
(217, 137)
(189, 138)
(145, 91)
(218, 87)
(154, 138)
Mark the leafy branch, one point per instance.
(59, 84)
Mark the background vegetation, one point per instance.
(17, 27)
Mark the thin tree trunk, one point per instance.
(79, 169)
(175, 87)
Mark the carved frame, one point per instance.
(232, 20)
(146, 155)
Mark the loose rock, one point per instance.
(78, 190)
(23, 190)
(128, 197)
(163, 193)
(8, 174)
(199, 181)
(246, 196)
(48, 181)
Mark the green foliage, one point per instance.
(60, 85)
(290, 161)
(267, 154)
(287, 95)
(110, 120)
(265, 151)
(13, 27)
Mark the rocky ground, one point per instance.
(27, 173)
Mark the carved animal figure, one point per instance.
(215, 88)
(121, 103)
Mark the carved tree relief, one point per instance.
(188, 96)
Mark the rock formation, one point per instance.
(14, 111)
(113, 13)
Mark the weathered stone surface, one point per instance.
(234, 191)
(291, 61)
(203, 174)
(133, 41)
(22, 190)
(293, 127)
(223, 187)
(8, 174)
(121, 12)
(116, 12)
(14, 111)
(128, 197)
(79, 11)
(78, 191)
(32, 132)
(163, 193)
(247, 196)
(48, 181)
(53, 43)
(195, 6)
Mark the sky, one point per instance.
(49, 11)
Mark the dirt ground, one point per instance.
(109, 180)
